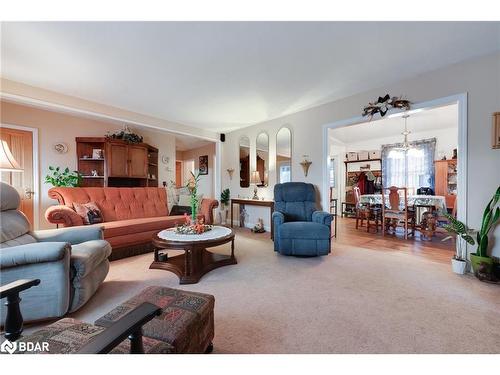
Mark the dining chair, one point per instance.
(365, 211)
(396, 213)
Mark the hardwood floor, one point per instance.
(434, 249)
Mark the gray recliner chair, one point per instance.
(71, 262)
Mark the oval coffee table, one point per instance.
(196, 260)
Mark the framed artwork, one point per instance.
(97, 153)
(203, 165)
(496, 130)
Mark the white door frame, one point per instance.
(36, 170)
(461, 100)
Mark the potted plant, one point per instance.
(491, 215)
(65, 178)
(480, 260)
(460, 231)
(224, 202)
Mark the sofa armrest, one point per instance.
(278, 219)
(63, 215)
(322, 217)
(72, 235)
(207, 209)
(33, 253)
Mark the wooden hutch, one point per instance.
(445, 184)
(116, 163)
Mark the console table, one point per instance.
(254, 202)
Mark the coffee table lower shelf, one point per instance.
(195, 261)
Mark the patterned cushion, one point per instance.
(69, 335)
(186, 322)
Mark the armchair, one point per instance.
(71, 262)
(300, 229)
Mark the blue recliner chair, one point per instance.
(299, 229)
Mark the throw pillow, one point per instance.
(180, 210)
(90, 213)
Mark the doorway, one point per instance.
(178, 174)
(23, 143)
(406, 170)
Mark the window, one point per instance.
(412, 168)
(332, 172)
(284, 173)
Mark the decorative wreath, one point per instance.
(383, 104)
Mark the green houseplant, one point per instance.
(63, 177)
(192, 186)
(225, 196)
(459, 231)
(491, 215)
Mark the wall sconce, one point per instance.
(230, 172)
(305, 164)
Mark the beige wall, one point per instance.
(207, 182)
(16, 89)
(58, 127)
(480, 78)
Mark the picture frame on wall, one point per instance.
(203, 165)
(496, 131)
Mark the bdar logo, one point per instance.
(8, 347)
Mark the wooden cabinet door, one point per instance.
(118, 160)
(138, 161)
(441, 177)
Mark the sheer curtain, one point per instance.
(413, 168)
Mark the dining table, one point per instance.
(437, 202)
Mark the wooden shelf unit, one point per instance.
(353, 175)
(445, 184)
(123, 164)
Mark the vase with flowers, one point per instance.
(192, 224)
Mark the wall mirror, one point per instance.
(262, 158)
(284, 155)
(244, 161)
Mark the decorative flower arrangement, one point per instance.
(192, 227)
(383, 104)
(126, 135)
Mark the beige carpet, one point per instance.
(352, 301)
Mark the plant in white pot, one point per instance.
(482, 263)
(459, 231)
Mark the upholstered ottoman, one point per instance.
(186, 322)
(67, 336)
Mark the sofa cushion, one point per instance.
(304, 230)
(126, 227)
(116, 203)
(89, 212)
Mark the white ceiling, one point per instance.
(226, 75)
(187, 142)
(430, 119)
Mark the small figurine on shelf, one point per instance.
(259, 227)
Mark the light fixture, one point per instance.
(255, 180)
(305, 165)
(406, 145)
(7, 161)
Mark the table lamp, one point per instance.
(255, 180)
(7, 161)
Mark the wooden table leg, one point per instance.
(231, 214)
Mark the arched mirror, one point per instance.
(262, 158)
(284, 155)
(244, 162)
